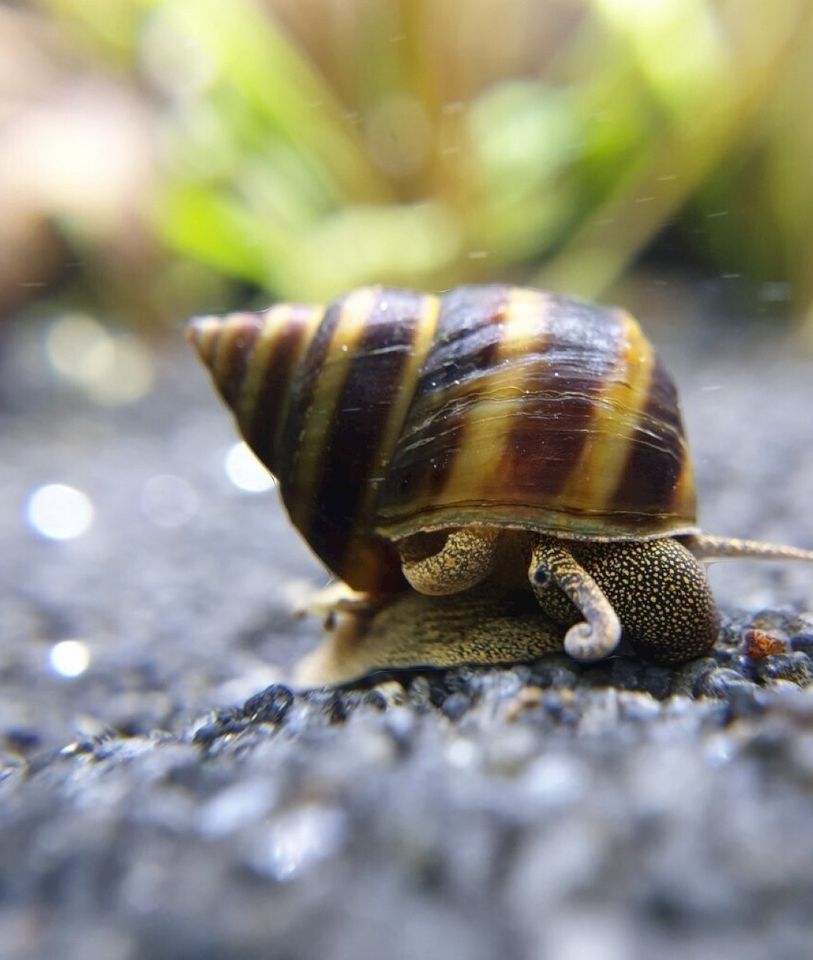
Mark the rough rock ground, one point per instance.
(177, 800)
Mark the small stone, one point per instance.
(22, 740)
(719, 683)
(455, 705)
(657, 681)
(600, 714)
(229, 715)
(522, 672)
(269, 706)
(555, 671)
(745, 700)
(374, 698)
(803, 643)
(206, 735)
(560, 703)
(794, 667)
(437, 694)
(420, 691)
(553, 701)
(399, 723)
(768, 620)
(462, 680)
(528, 698)
(758, 644)
(638, 707)
(597, 676)
(224, 722)
(626, 672)
(688, 678)
(739, 662)
(339, 707)
(385, 694)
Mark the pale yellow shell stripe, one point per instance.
(204, 334)
(486, 428)
(238, 332)
(275, 321)
(617, 408)
(226, 345)
(310, 447)
(425, 327)
(262, 407)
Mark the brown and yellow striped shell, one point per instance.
(390, 412)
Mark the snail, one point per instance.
(517, 455)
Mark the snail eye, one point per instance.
(542, 577)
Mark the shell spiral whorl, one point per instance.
(391, 412)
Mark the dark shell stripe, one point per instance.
(233, 352)
(657, 449)
(264, 399)
(250, 357)
(297, 444)
(615, 411)
(467, 338)
(493, 395)
(565, 389)
(366, 420)
(518, 410)
(577, 350)
(469, 331)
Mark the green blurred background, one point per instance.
(163, 157)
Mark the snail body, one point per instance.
(493, 434)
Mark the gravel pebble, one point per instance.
(455, 705)
(803, 643)
(549, 809)
(795, 667)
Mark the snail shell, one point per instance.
(389, 413)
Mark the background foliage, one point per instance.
(159, 157)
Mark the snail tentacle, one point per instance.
(707, 547)
(599, 633)
(465, 559)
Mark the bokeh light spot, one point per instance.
(69, 658)
(112, 369)
(245, 471)
(299, 839)
(59, 512)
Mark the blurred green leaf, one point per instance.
(310, 146)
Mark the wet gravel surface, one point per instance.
(177, 799)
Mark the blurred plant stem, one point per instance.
(302, 147)
(707, 122)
